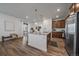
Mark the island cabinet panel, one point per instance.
(58, 24)
(38, 41)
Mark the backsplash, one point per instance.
(59, 29)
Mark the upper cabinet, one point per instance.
(77, 7)
(58, 24)
(74, 8)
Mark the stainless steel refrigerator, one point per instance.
(72, 34)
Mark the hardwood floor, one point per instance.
(16, 48)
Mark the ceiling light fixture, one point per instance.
(58, 10)
(37, 14)
(26, 16)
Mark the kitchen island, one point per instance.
(38, 40)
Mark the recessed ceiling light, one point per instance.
(35, 23)
(26, 16)
(58, 9)
(57, 16)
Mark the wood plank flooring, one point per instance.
(16, 48)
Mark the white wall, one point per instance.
(46, 25)
(16, 21)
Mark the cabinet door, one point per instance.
(74, 8)
(58, 24)
(62, 24)
(57, 34)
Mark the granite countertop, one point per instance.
(38, 33)
(57, 31)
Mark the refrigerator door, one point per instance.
(70, 40)
(70, 34)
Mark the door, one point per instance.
(25, 34)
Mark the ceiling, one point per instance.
(21, 10)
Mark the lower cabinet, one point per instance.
(57, 34)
